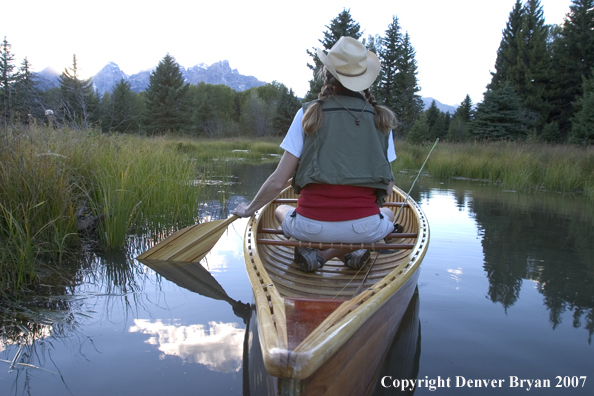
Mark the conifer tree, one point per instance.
(573, 59)
(166, 98)
(286, 107)
(342, 25)
(408, 104)
(582, 126)
(458, 131)
(500, 116)
(508, 52)
(397, 85)
(534, 65)
(389, 53)
(27, 98)
(213, 109)
(78, 101)
(419, 133)
(7, 78)
(121, 111)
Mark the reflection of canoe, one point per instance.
(316, 337)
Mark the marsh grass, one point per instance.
(517, 166)
(50, 179)
(228, 149)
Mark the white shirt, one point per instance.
(293, 141)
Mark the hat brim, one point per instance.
(358, 83)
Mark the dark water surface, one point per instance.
(506, 293)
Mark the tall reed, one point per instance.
(528, 167)
(51, 179)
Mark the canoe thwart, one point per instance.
(294, 201)
(389, 236)
(320, 245)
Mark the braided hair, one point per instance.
(385, 120)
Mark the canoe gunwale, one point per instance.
(339, 326)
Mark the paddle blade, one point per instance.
(191, 244)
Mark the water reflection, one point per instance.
(540, 239)
(532, 243)
(530, 255)
(219, 348)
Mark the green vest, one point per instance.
(342, 152)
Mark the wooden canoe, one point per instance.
(316, 336)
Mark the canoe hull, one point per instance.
(353, 369)
(346, 336)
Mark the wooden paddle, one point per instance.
(191, 244)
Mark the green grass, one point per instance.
(526, 167)
(48, 177)
(150, 184)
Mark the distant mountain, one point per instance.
(108, 77)
(217, 73)
(443, 107)
(48, 78)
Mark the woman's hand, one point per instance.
(242, 210)
(271, 187)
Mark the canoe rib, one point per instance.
(274, 276)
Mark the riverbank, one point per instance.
(513, 166)
(61, 189)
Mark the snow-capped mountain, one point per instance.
(443, 107)
(217, 73)
(107, 78)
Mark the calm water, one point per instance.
(506, 290)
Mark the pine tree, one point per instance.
(166, 98)
(419, 133)
(7, 78)
(213, 109)
(389, 53)
(508, 52)
(534, 65)
(408, 103)
(27, 98)
(78, 101)
(121, 111)
(397, 85)
(500, 116)
(287, 106)
(573, 59)
(458, 131)
(582, 126)
(465, 111)
(342, 25)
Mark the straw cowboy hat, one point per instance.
(351, 64)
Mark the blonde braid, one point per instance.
(385, 119)
(313, 117)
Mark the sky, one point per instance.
(456, 41)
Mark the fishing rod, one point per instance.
(411, 187)
(396, 218)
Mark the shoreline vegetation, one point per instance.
(62, 190)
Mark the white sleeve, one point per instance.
(293, 141)
(391, 149)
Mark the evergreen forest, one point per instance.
(542, 90)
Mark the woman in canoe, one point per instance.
(338, 151)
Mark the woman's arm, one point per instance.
(271, 187)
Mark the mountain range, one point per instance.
(217, 73)
(107, 78)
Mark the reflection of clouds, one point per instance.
(219, 348)
(455, 274)
(228, 248)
